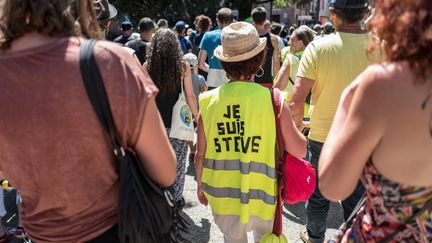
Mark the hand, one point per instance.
(300, 126)
(195, 117)
(201, 197)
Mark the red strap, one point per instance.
(277, 223)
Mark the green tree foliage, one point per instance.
(187, 10)
(286, 3)
(171, 10)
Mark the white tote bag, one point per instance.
(182, 126)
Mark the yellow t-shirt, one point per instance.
(333, 61)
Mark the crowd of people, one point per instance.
(355, 102)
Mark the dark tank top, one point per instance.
(267, 77)
(165, 102)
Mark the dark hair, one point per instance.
(303, 34)
(405, 27)
(145, 25)
(225, 16)
(276, 28)
(291, 29)
(246, 68)
(162, 23)
(204, 22)
(328, 28)
(259, 15)
(350, 16)
(48, 17)
(164, 63)
(284, 32)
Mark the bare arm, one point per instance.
(301, 89)
(356, 131)
(188, 88)
(154, 148)
(202, 57)
(295, 142)
(199, 160)
(283, 77)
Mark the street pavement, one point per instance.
(203, 229)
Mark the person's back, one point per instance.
(49, 117)
(402, 121)
(327, 67)
(400, 163)
(211, 39)
(399, 115)
(58, 154)
(199, 84)
(141, 45)
(271, 64)
(383, 128)
(339, 58)
(236, 144)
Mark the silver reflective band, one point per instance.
(227, 192)
(244, 168)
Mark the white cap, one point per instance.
(191, 59)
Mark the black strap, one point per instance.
(96, 92)
(299, 57)
(359, 205)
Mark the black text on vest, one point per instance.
(232, 132)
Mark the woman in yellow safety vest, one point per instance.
(235, 160)
(286, 77)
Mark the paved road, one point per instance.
(205, 230)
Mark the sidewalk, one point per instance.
(205, 230)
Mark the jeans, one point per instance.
(317, 206)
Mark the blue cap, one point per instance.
(181, 25)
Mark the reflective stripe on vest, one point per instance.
(239, 175)
(236, 193)
(244, 168)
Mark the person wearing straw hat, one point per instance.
(235, 160)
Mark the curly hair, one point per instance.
(244, 69)
(48, 17)
(164, 63)
(405, 27)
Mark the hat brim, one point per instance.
(219, 54)
(112, 11)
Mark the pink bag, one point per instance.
(299, 177)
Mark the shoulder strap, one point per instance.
(298, 56)
(290, 79)
(276, 99)
(279, 151)
(96, 92)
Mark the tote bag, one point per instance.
(182, 126)
(145, 211)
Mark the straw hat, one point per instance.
(240, 41)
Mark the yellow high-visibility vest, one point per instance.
(239, 176)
